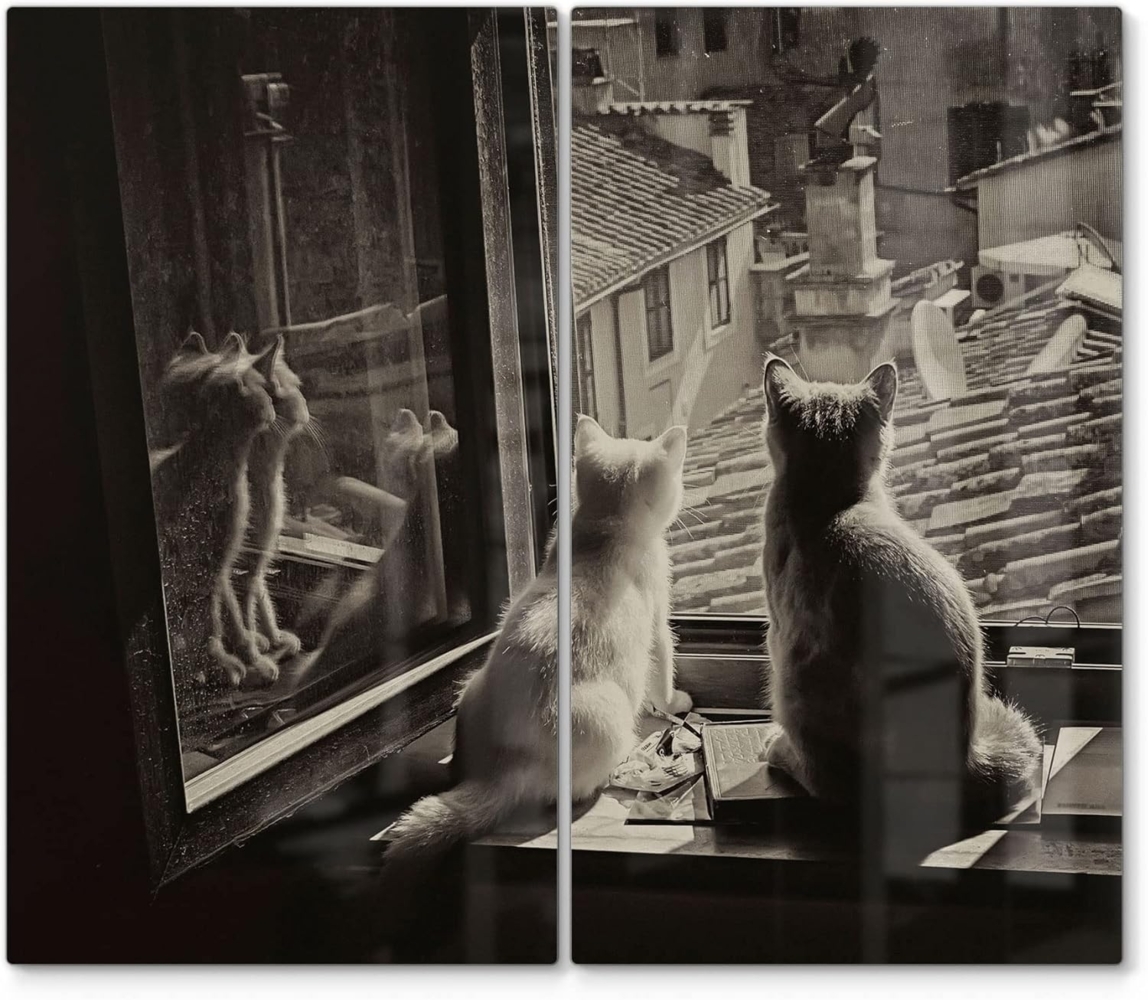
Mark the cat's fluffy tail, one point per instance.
(1006, 746)
(438, 822)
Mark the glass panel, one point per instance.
(326, 513)
(961, 215)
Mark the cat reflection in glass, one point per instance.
(229, 418)
(216, 404)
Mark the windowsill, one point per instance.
(601, 828)
(1055, 849)
(716, 334)
(726, 683)
(660, 366)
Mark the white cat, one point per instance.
(622, 650)
(627, 493)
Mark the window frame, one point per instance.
(508, 175)
(715, 29)
(779, 41)
(718, 280)
(654, 361)
(583, 350)
(720, 659)
(667, 32)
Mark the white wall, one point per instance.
(605, 365)
(1050, 195)
(708, 369)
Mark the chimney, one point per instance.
(729, 144)
(591, 91)
(843, 301)
(592, 97)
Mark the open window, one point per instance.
(366, 198)
(714, 26)
(1009, 465)
(667, 32)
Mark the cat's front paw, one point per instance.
(232, 668)
(680, 703)
(263, 671)
(262, 643)
(778, 752)
(287, 644)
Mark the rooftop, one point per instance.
(676, 107)
(638, 201)
(1101, 135)
(1017, 482)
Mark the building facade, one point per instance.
(663, 243)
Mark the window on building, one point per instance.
(717, 278)
(667, 32)
(659, 320)
(982, 133)
(586, 65)
(584, 359)
(786, 29)
(714, 29)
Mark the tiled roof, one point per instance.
(638, 201)
(1017, 482)
(970, 181)
(675, 107)
(1096, 287)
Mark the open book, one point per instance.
(736, 775)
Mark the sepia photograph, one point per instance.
(569, 487)
(847, 353)
(325, 403)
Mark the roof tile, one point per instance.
(638, 200)
(1017, 481)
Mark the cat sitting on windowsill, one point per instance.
(627, 494)
(876, 670)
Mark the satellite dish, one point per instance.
(936, 353)
(1061, 349)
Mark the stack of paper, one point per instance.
(1086, 778)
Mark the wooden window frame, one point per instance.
(509, 237)
(717, 283)
(667, 32)
(657, 310)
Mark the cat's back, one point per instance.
(909, 600)
(616, 590)
(865, 579)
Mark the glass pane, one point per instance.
(296, 193)
(961, 215)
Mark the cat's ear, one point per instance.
(775, 383)
(232, 344)
(192, 346)
(405, 420)
(586, 432)
(265, 362)
(883, 381)
(673, 442)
